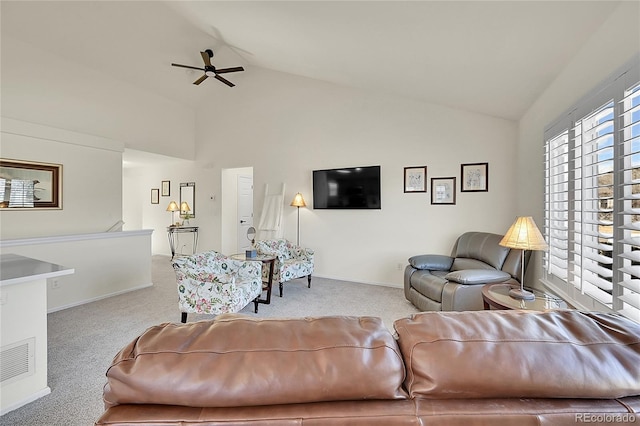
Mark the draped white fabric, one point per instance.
(270, 224)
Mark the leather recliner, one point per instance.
(454, 283)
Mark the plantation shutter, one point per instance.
(628, 294)
(593, 214)
(22, 193)
(557, 205)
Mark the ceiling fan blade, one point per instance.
(224, 70)
(224, 80)
(188, 66)
(201, 79)
(206, 58)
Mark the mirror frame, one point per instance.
(188, 194)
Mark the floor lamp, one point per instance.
(523, 235)
(298, 202)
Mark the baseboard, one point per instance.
(31, 398)
(358, 282)
(95, 299)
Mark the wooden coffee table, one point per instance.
(497, 296)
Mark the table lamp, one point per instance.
(524, 235)
(298, 201)
(184, 212)
(173, 208)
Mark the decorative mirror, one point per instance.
(188, 196)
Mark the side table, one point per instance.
(173, 230)
(266, 286)
(497, 296)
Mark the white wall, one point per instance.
(140, 213)
(105, 263)
(612, 45)
(70, 96)
(285, 127)
(91, 180)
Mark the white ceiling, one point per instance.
(492, 57)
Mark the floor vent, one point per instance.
(16, 360)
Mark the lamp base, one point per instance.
(522, 294)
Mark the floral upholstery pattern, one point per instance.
(292, 260)
(212, 283)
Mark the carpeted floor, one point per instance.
(83, 340)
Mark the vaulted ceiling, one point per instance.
(491, 57)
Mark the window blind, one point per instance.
(592, 197)
(628, 293)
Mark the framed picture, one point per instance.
(155, 196)
(443, 190)
(30, 185)
(166, 188)
(475, 177)
(415, 179)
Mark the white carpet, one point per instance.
(83, 340)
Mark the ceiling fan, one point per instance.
(210, 70)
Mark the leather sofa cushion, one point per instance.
(429, 283)
(243, 361)
(520, 354)
(482, 246)
(462, 263)
(477, 276)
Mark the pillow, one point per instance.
(432, 262)
(477, 276)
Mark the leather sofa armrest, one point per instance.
(477, 276)
(432, 262)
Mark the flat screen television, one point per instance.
(347, 188)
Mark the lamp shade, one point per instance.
(184, 207)
(172, 207)
(298, 201)
(524, 235)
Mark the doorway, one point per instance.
(236, 209)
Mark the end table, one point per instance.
(497, 296)
(266, 286)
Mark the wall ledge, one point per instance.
(75, 237)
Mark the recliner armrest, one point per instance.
(432, 262)
(477, 276)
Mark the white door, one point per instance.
(245, 211)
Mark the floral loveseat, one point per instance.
(292, 260)
(212, 283)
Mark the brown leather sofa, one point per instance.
(441, 368)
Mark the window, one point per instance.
(592, 198)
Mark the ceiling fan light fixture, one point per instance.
(210, 70)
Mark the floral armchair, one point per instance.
(292, 261)
(212, 283)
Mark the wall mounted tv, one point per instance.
(348, 188)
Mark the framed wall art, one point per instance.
(155, 196)
(415, 179)
(30, 185)
(443, 190)
(475, 177)
(166, 188)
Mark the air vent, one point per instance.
(16, 360)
